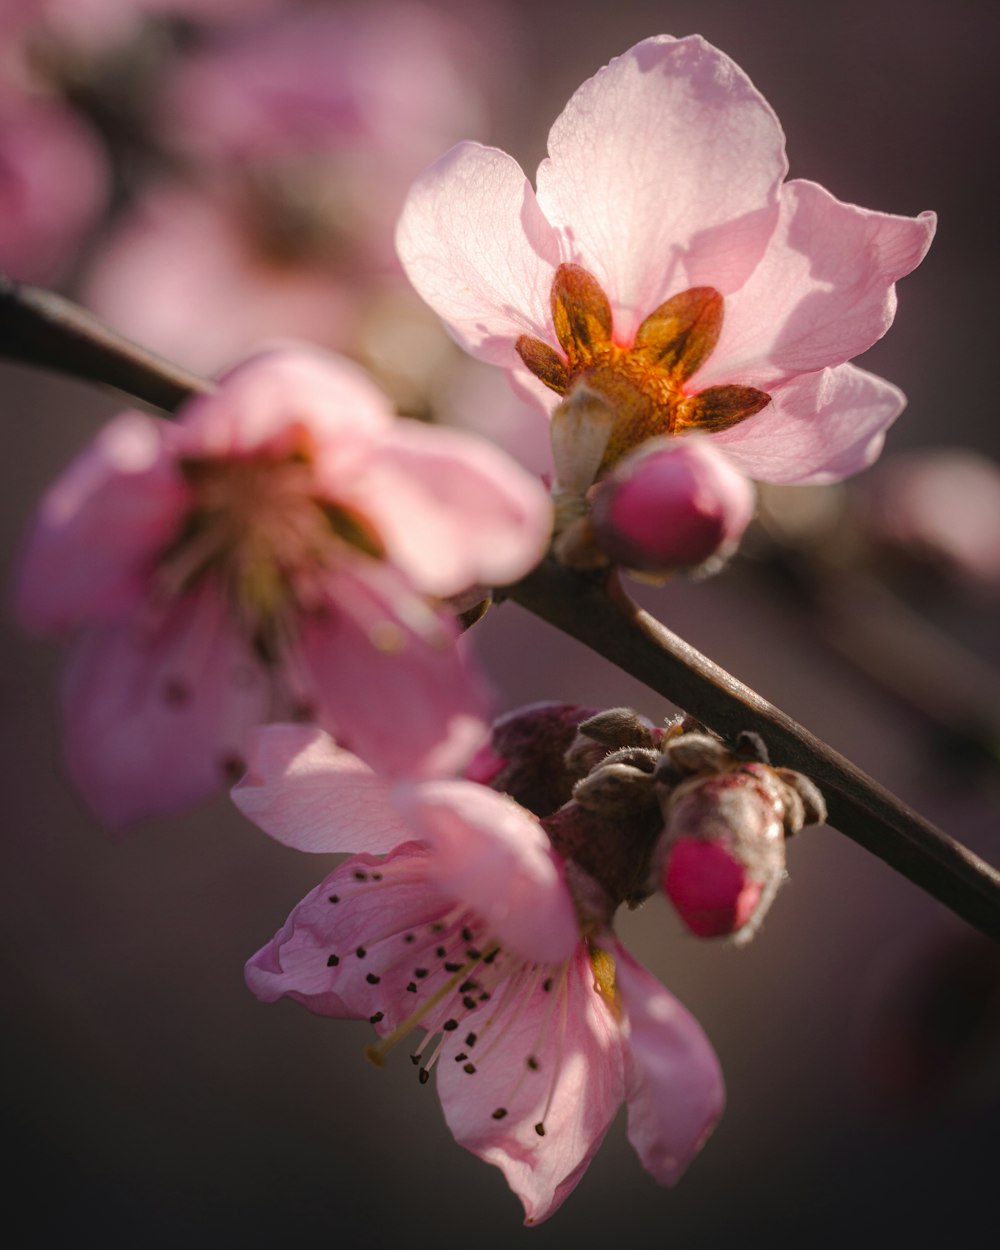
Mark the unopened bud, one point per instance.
(712, 890)
(675, 503)
(525, 755)
(721, 859)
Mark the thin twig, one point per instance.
(596, 611)
(41, 328)
(45, 329)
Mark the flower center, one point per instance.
(256, 525)
(643, 383)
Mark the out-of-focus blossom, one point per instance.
(941, 507)
(53, 186)
(665, 264)
(459, 921)
(475, 397)
(93, 26)
(183, 274)
(299, 137)
(269, 556)
(671, 504)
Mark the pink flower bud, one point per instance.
(673, 504)
(722, 855)
(525, 755)
(711, 889)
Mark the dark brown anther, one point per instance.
(681, 334)
(544, 362)
(720, 408)
(581, 313)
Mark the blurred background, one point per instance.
(208, 173)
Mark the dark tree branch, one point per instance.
(45, 329)
(41, 328)
(595, 610)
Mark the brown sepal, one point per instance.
(720, 407)
(681, 334)
(581, 313)
(544, 362)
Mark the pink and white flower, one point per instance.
(665, 263)
(457, 919)
(269, 555)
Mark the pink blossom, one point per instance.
(269, 555)
(665, 263)
(217, 291)
(942, 507)
(53, 186)
(457, 920)
(298, 137)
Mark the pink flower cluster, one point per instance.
(285, 549)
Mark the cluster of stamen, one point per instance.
(454, 970)
(256, 524)
(644, 382)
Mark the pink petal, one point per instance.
(100, 527)
(365, 905)
(310, 794)
(662, 174)
(452, 510)
(217, 297)
(675, 1090)
(387, 677)
(279, 398)
(477, 248)
(495, 858)
(817, 429)
(574, 1088)
(822, 293)
(158, 715)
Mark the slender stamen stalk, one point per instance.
(377, 1052)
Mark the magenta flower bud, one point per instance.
(710, 888)
(673, 504)
(722, 856)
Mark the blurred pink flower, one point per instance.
(940, 506)
(665, 262)
(217, 292)
(457, 919)
(299, 137)
(53, 186)
(268, 556)
(91, 26)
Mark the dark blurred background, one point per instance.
(150, 1101)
